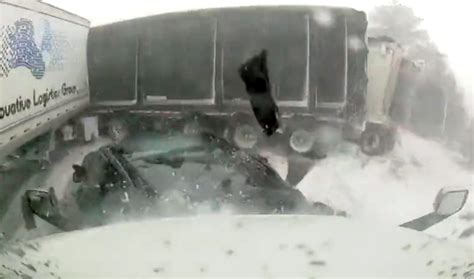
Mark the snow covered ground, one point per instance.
(395, 188)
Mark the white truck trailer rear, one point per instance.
(383, 67)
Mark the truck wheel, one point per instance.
(373, 142)
(117, 130)
(194, 123)
(242, 130)
(301, 141)
(245, 136)
(191, 128)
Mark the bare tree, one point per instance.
(398, 22)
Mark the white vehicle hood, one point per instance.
(238, 246)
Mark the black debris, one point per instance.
(430, 262)
(424, 245)
(230, 252)
(29, 266)
(158, 270)
(468, 273)
(18, 251)
(467, 232)
(26, 276)
(300, 246)
(317, 263)
(31, 246)
(406, 247)
(254, 73)
(468, 216)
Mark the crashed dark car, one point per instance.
(203, 174)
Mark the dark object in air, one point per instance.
(254, 73)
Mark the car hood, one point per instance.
(261, 246)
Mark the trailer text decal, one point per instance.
(37, 99)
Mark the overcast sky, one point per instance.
(448, 21)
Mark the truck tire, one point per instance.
(194, 123)
(377, 139)
(301, 141)
(245, 136)
(191, 128)
(117, 129)
(374, 141)
(243, 131)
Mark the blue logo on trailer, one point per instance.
(54, 44)
(19, 49)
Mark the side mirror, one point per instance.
(43, 204)
(449, 202)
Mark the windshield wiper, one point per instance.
(131, 175)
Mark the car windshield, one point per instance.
(203, 174)
(139, 114)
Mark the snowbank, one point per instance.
(391, 189)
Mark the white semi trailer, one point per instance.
(43, 70)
